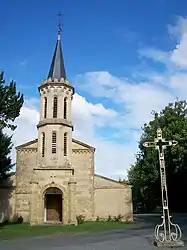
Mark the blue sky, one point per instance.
(113, 50)
(98, 35)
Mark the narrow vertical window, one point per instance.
(55, 104)
(54, 143)
(43, 144)
(65, 144)
(65, 108)
(45, 107)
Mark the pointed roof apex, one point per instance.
(57, 69)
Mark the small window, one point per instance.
(65, 144)
(43, 144)
(65, 108)
(55, 104)
(45, 107)
(54, 143)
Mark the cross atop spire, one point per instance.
(59, 25)
(59, 30)
(57, 69)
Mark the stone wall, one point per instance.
(112, 198)
(7, 199)
(83, 164)
(26, 162)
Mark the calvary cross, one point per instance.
(163, 232)
(160, 143)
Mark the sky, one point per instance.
(124, 58)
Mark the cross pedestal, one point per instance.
(166, 234)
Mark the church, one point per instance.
(55, 179)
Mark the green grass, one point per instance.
(12, 231)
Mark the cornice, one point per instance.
(55, 121)
(82, 151)
(56, 82)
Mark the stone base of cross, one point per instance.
(167, 234)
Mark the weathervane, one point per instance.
(59, 14)
(163, 232)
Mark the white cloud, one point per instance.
(154, 54)
(178, 28)
(177, 56)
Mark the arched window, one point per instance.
(43, 144)
(65, 108)
(45, 107)
(55, 107)
(54, 143)
(65, 144)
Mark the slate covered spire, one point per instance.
(57, 69)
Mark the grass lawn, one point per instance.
(12, 231)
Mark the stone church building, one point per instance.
(55, 178)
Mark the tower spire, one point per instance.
(57, 69)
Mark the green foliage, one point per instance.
(109, 218)
(5, 149)
(80, 219)
(16, 219)
(97, 219)
(144, 174)
(123, 181)
(118, 218)
(10, 103)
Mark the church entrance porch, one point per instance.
(53, 205)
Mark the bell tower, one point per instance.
(55, 126)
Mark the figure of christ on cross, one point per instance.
(163, 232)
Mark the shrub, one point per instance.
(118, 218)
(109, 218)
(129, 218)
(80, 219)
(17, 219)
(5, 221)
(97, 219)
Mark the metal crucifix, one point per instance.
(163, 232)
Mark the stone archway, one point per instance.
(53, 205)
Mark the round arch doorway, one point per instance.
(53, 205)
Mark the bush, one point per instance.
(80, 219)
(109, 218)
(118, 218)
(5, 221)
(97, 219)
(17, 219)
(129, 218)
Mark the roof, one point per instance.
(27, 144)
(109, 179)
(36, 140)
(57, 69)
(82, 144)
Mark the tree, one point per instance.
(10, 103)
(5, 160)
(144, 174)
